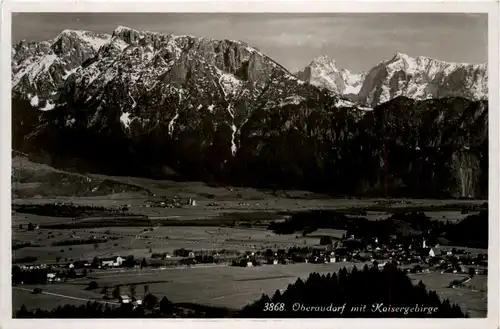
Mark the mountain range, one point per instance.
(417, 78)
(163, 106)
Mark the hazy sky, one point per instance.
(355, 41)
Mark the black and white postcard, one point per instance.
(241, 164)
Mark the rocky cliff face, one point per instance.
(158, 105)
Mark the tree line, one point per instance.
(370, 286)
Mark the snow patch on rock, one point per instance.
(34, 101)
(125, 119)
(49, 105)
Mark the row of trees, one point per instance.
(72, 242)
(472, 231)
(62, 210)
(116, 292)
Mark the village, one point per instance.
(414, 257)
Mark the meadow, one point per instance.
(475, 302)
(214, 285)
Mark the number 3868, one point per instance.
(274, 307)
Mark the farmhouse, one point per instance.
(431, 252)
(124, 299)
(113, 261)
(51, 277)
(272, 261)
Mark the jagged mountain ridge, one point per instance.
(39, 68)
(140, 71)
(417, 78)
(133, 54)
(152, 104)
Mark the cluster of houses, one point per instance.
(53, 277)
(420, 256)
(113, 261)
(415, 256)
(126, 300)
(33, 267)
(174, 203)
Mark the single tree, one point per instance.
(269, 253)
(144, 263)
(166, 306)
(116, 292)
(132, 289)
(96, 262)
(150, 301)
(129, 261)
(72, 273)
(93, 285)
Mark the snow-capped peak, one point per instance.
(423, 78)
(69, 32)
(91, 39)
(323, 60)
(121, 28)
(323, 72)
(403, 56)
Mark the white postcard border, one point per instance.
(490, 7)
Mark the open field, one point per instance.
(474, 302)
(267, 203)
(138, 240)
(224, 286)
(230, 287)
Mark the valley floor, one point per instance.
(222, 218)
